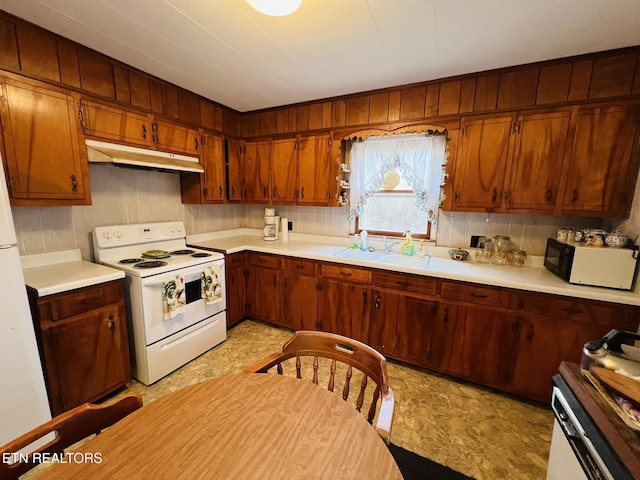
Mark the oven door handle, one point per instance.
(160, 279)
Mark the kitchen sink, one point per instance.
(360, 255)
(392, 258)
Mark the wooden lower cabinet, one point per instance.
(236, 276)
(83, 342)
(507, 339)
(402, 326)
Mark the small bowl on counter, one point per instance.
(458, 254)
(616, 239)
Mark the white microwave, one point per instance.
(596, 266)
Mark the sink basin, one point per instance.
(414, 261)
(360, 255)
(381, 257)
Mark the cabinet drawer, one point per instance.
(299, 265)
(480, 295)
(581, 310)
(346, 272)
(268, 261)
(235, 260)
(407, 283)
(57, 307)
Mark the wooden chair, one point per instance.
(345, 350)
(69, 427)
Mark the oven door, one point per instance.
(156, 325)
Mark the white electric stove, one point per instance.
(175, 295)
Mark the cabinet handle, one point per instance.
(220, 190)
(196, 142)
(302, 192)
(507, 197)
(479, 295)
(264, 192)
(494, 197)
(445, 317)
(377, 304)
(364, 298)
(549, 196)
(74, 184)
(573, 311)
(456, 196)
(530, 332)
(574, 195)
(144, 132)
(233, 191)
(346, 274)
(111, 323)
(275, 192)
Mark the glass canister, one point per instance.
(517, 258)
(501, 247)
(484, 254)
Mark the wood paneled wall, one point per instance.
(612, 75)
(29, 50)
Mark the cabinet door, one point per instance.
(262, 294)
(235, 169)
(299, 301)
(86, 356)
(537, 151)
(602, 165)
(236, 288)
(401, 326)
(543, 343)
(115, 124)
(314, 169)
(214, 190)
(45, 154)
(284, 168)
(257, 168)
(343, 308)
(177, 138)
(447, 339)
(481, 162)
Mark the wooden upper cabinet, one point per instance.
(481, 162)
(534, 164)
(176, 138)
(257, 171)
(45, 154)
(235, 169)
(603, 164)
(284, 168)
(314, 169)
(214, 168)
(115, 124)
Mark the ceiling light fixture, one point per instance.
(275, 8)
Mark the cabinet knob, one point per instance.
(144, 132)
(494, 197)
(111, 323)
(574, 195)
(74, 184)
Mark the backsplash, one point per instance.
(122, 195)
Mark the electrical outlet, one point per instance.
(477, 241)
(290, 226)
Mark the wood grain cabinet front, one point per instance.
(236, 277)
(84, 343)
(109, 123)
(44, 150)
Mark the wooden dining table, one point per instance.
(247, 426)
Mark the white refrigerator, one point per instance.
(23, 395)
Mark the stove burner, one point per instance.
(131, 260)
(182, 252)
(150, 264)
(201, 254)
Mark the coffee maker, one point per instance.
(271, 224)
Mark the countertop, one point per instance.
(532, 277)
(55, 272)
(622, 439)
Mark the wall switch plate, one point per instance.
(477, 241)
(290, 226)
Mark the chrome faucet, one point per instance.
(389, 246)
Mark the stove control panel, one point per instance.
(139, 233)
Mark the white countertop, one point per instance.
(56, 272)
(533, 277)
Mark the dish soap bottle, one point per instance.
(356, 242)
(363, 240)
(421, 251)
(406, 248)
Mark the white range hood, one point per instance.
(103, 152)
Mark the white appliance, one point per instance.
(271, 225)
(175, 296)
(23, 399)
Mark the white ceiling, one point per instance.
(229, 53)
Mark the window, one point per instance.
(395, 183)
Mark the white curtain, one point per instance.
(418, 159)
